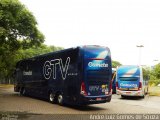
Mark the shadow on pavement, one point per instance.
(85, 107)
(131, 98)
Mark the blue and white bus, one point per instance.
(130, 81)
(80, 75)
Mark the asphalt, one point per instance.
(25, 107)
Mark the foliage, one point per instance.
(146, 73)
(155, 75)
(35, 51)
(18, 30)
(9, 63)
(156, 71)
(154, 82)
(154, 91)
(17, 23)
(115, 64)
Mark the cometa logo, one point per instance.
(50, 67)
(92, 64)
(128, 85)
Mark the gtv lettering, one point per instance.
(49, 68)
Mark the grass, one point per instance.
(6, 85)
(154, 91)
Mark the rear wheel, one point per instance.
(122, 96)
(60, 99)
(23, 91)
(51, 97)
(144, 94)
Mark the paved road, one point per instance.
(12, 102)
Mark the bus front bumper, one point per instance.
(130, 93)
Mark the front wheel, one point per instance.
(122, 96)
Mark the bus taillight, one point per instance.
(140, 86)
(83, 89)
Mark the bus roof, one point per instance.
(64, 50)
(127, 70)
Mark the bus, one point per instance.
(113, 80)
(130, 81)
(80, 75)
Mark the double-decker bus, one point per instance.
(130, 81)
(80, 75)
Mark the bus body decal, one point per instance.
(49, 68)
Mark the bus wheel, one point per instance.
(23, 91)
(60, 99)
(122, 96)
(144, 94)
(51, 97)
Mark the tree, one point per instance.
(17, 23)
(156, 71)
(146, 73)
(35, 51)
(8, 66)
(18, 30)
(155, 75)
(115, 64)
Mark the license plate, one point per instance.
(128, 92)
(99, 99)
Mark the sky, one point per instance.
(120, 25)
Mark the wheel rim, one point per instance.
(24, 91)
(51, 97)
(60, 99)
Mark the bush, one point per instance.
(154, 82)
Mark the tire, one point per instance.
(52, 98)
(143, 97)
(23, 91)
(60, 99)
(122, 96)
(144, 94)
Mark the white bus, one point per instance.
(130, 81)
